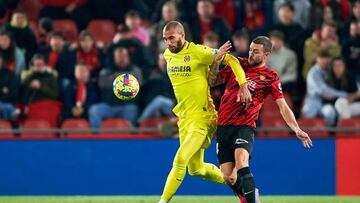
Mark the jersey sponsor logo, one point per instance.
(176, 69)
(251, 84)
(186, 58)
(241, 141)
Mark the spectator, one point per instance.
(207, 22)
(241, 43)
(22, 34)
(40, 91)
(109, 105)
(88, 53)
(255, 15)
(59, 57)
(325, 39)
(158, 95)
(13, 58)
(284, 61)
(212, 40)
(351, 50)
(327, 11)
(80, 94)
(226, 9)
(294, 34)
(169, 13)
(66, 9)
(45, 25)
(40, 81)
(319, 94)
(138, 53)
(349, 106)
(133, 22)
(355, 17)
(301, 11)
(8, 92)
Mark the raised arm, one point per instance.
(290, 120)
(223, 57)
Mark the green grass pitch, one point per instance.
(176, 199)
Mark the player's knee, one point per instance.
(229, 178)
(179, 159)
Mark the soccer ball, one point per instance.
(126, 86)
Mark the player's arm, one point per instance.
(223, 57)
(290, 120)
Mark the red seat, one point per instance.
(314, 123)
(37, 124)
(5, 125)
(32, 8)
(116, 123)
(153, 123)
(275, 123)
(76, 123)
(349, 123)
(48, 110)
(103, 30)
(68, 27)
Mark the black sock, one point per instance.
(248, 184)
(237, 187)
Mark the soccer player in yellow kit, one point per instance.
(188, 69)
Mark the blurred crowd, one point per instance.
(58, 58)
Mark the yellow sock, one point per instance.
(173, 181)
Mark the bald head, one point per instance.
(174, 25)
(174, 36)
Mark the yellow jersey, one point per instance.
(188, 71)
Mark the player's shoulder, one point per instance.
(271, 73)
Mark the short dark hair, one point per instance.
(58, 34)
(211, 36)
(289, 5)
(243, 33)
(19, 10)
(276, 34)
(37, 57)
(85, 33)
(132, 14)
(265, 41)
(46, 23)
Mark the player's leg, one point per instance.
(225, 154)
(243, 146)
(208, 171)
(188, 147)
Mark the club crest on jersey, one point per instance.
(262, 77)
(186, 58)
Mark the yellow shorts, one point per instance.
(205, 126)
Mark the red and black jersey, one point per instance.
(262, 81)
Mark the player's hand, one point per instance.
(224, 49)
(304, 137)
(244, 95)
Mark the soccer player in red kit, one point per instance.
(236, 121)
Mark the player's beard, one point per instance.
(177, 48)
(254, 62)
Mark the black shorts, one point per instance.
(229, 138)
